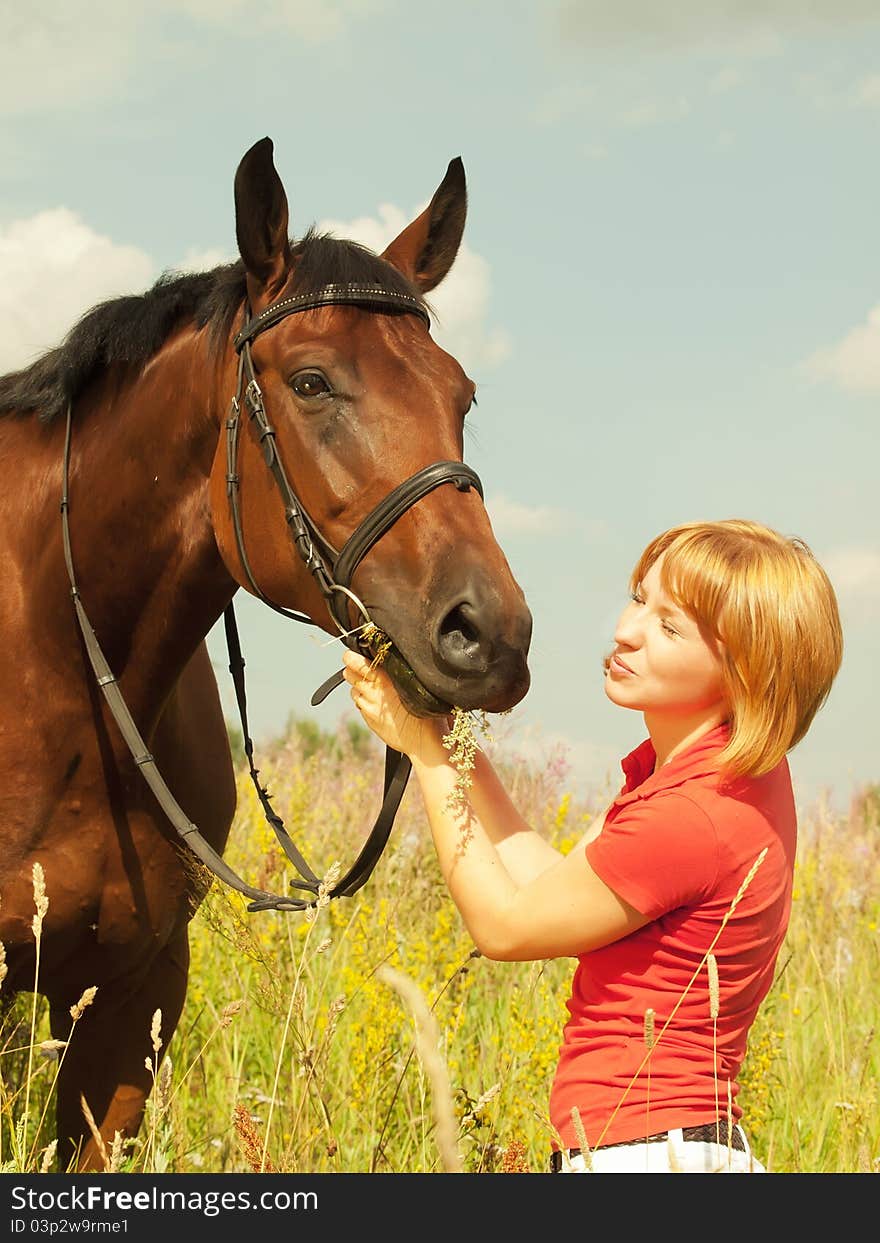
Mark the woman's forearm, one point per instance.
(523, 851)
(482, 885)
(485, 849)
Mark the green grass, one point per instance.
(295, 1050)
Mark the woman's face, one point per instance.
(662, 662)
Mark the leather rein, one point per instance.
(332, 572)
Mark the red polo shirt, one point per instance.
(677, 845)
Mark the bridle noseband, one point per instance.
(332, 572)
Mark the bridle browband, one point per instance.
(332, 572)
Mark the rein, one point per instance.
(332, 572)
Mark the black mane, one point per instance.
(126, 332)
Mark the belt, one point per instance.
(707, 1133)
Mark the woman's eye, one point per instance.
(309, 384)
(668, 629)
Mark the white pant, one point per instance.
(675, 1155)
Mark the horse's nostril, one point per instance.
(460, 639)
(457, 623)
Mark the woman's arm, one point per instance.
(524, 853)
(520, 899)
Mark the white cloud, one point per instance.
(80, 51)
(511, 518)
(855, 575)
(725, 80)
(203, 260)
(460, 303)
(370, 230)
(854, 362)
(753, 27)
(655, 112)
(315, 22)
(867, 92)
(563, 100)
(53, 267)
(62, 54)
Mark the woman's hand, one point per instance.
(374, 696)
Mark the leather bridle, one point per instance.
(332, 572)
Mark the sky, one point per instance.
(668, 292)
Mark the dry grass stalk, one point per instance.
(229, 1012)
(56, 1050)
(586, 1151)
(649, 1029)
(252, 1146)
(480, 1105)
(48, 1157)
(650, 1040)
(96, 1134)
(714, 1007)
(428, 1048)
(117, 1152)
(714, 992)
(325, 891)
(51, 1048)
(76, 1010)
(163, 1084)
(41, 902)
(156, 1031)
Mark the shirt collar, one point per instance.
(699, 760)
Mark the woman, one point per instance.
(677, 900)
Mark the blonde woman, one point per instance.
(677, 900)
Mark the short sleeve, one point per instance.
(657, 854)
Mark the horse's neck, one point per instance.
(144, 552)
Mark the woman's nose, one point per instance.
(626, 632)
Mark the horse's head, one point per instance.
(360, 400)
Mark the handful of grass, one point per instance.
(461, 743)
(378, 642)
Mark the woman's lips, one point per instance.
(621, 667)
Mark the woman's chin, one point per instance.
(618, 695)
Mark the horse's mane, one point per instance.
(126, 332)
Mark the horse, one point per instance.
(131, 428)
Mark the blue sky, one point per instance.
(668, 294)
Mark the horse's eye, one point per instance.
(309, 384)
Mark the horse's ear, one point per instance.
(426, 249)
(261, 220)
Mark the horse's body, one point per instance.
(156, 562)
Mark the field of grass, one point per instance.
(373, 1038)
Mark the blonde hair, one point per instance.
(771, 607)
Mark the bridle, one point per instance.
(332, 572)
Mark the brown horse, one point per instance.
(360, 398)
